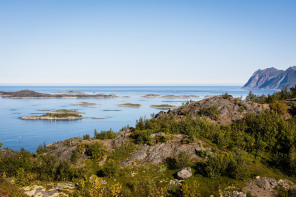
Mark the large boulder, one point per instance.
(184, 174)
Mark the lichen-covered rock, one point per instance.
(267, 182)
(184, 174)
(122, 138)
(160, 152)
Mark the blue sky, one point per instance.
(144, 42)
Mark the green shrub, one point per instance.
(64, 171)
(96, 150)
(141, 136)
(74, 156)
(105, 134)
(111, 168)
(226, 96)
(123, 151)
(86, 137)
(182, 160)
(230, 165)
(43, 148)
(211, 111)
(162, 137)
(202, 153)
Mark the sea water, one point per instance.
(16, 133)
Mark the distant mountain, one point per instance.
(272, 78)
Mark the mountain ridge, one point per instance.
(272, 78)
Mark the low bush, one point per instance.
(230, 165)
(105, 134)
(211, 111)
(182, 160)
(142, 136)
(110, 169)
(86, 137)
(96, 150)
(202, 153)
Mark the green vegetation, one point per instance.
(105, 134)
(282, 95)
(65, 111)
(86, 137)
(43, 148)
(211, 111)
(61, 114)
(8, 189)
(96, 150)
(180, 161)
(231, 165)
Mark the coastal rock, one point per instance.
(184, 174)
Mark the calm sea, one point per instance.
(16, 133)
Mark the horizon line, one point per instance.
(91, 84)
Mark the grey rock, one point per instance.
(38, 190)
(59, 187)
(234, 194)
(141, 154)
(160, 152)
(267, 182)
(184, 174)
(49, 193)
(122, 137)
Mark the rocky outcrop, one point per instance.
(60, 189)
(6, 152)
(122, 138)
(160, 152)
(272, 78)
(266, 186)
(226, 109)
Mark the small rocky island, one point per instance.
(163, 106)
(170, 96)
(84, 103)
(33, 94)
(61, 114)
(129, 105)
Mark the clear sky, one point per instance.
(144, 41)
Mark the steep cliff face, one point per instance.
(272, 78)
